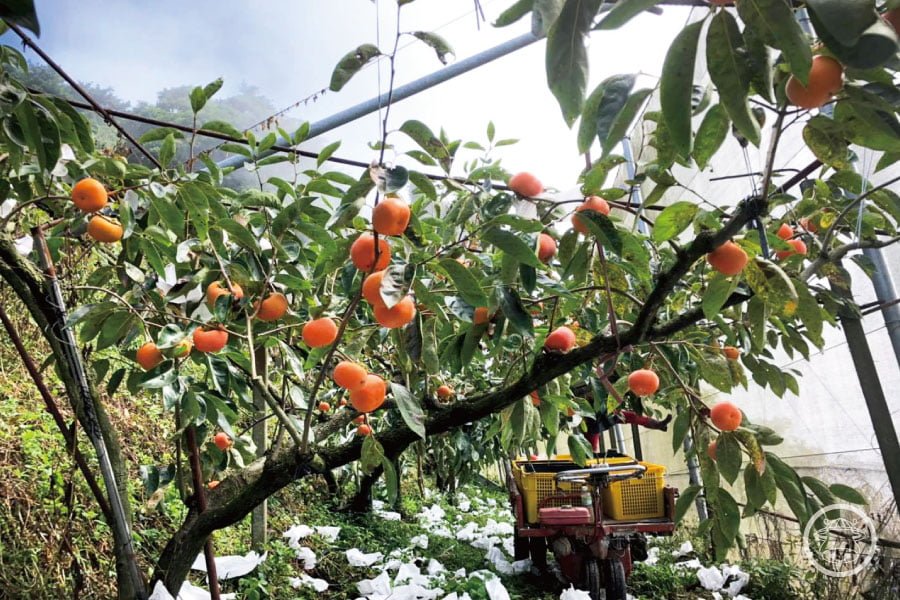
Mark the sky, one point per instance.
(288, 49)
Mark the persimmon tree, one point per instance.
(213, 290)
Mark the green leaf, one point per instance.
(223, 128)
(350, 65)
(326, 152)
(711, 135)
(730, 72)
(159, 133)
(21, 12)
(680, 428)
(603, 229)
(371, 454)
(867, 126)
(440, 46)
(774, 23)
(717, 292)
(567, 61)
(728, 516)
(821, 135)
(424, 137)
(601, 109)
(423, 184)
(169, 214)
(728, 456)
(167, 150)
(410, 409)
(756, 495)
(515, 311)
(677, 85)
(845, 20)
(580, 449)
(820, 490)
(759, 60)
(673, 220)
(685, 501)
(514, 13)
(391, 480)
(240, 234)
(465, 282)
(623, 122)
(623, 11)
(790, 485)
(544, 15)
(847, 493)
(513, 245)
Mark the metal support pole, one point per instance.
(636, 441)
(694, 477)
(886, 291)
(880, 414)
(259, 516)
(401, 93)
(620, 439)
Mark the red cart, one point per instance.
(594, 519)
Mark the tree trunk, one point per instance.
(362, 500)
(30, 285)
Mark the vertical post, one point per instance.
(212, 573)
(619, 438)
(694, 477)
(873, 393)
(259, 516)
(886, 292)
(636, 440)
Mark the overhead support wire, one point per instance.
(81, 91)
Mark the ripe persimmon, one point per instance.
(370, 396)
(535, 399)
(396, 316)
(349, 375)
(223, 441)
(363, 430)
(371, 288)
(324, 406)
(570, 412)
(726, 416)
(89, 195)
(210, 339)
(213, 484)
(594, 203)
(797, 247)
(728, 259)
(362, 253)
(272, 308)
(561, 339)
(148, 356)
(390, 216)
(319, 332)
(444, 392)
(785, 232)
(711, 450)
(525, 184)
(216, 289)
(104, 229)
(546, 248)
(643, 382)
(731, 353)
(481, 315)
(826, 77)
(360, 419)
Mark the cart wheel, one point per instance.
(592, 578)
(520, 547)
(537, 547)
(614, 579)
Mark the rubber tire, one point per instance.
(537, 547)
(614, 579)
(520, 547)
(592, 581)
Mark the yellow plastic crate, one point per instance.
(537, 487)
(635, 499)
